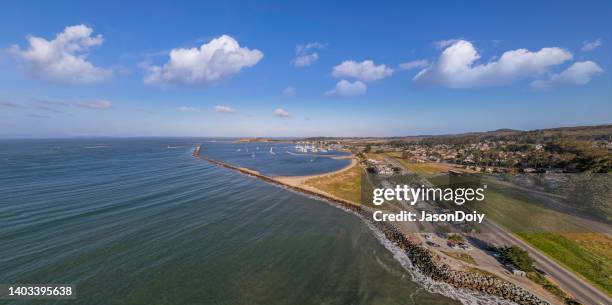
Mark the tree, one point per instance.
(518, 257)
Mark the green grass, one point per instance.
(587, 254)
(426, 169)
(546, 284)
(593, 267)
(345, 185)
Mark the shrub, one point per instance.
(518, 257)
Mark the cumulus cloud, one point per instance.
(592, 45)
(187, 109)
(224, 109)
(218, 59)
(345, 88)
(281, 113)
(305, 54)
(457, 68)
(289, 91)
(365, 71)
(415, 64)
(579, 73)
(305, 60)
(99, 105)
(63, 59)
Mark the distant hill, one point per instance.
(599, 132)
(257, 140)
(585, 133)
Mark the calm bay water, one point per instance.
(140, 221)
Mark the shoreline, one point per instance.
(422, 259)
(300, 180)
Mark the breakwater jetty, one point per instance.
(425, 260)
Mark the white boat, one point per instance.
(271, 151)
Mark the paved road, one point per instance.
(573, 284)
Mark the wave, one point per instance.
(95, 146)
(465, 296)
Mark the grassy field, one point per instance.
(426, 169)
(558, 235)
(589, 264)
(345, 185)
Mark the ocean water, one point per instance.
(140, 221)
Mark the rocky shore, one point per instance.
(430, 265)
(423, 259)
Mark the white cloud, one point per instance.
(364, 71)
(457, 68)
(304, 54)
(224, 109)
(63, 59)
(415, 64)
(281, 113)
(592, 45)
(289, 91)
(187, 109)
(345, 88)
(101, 104)
(218, 59)
(441, 44)
(580, 73)
(305, 60)
(300, 48)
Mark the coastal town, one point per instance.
(495, 152)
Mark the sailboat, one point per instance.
(272, 152)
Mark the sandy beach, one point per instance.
(299, 180)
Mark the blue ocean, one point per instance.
(141, 221)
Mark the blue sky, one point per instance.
(352, 69)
